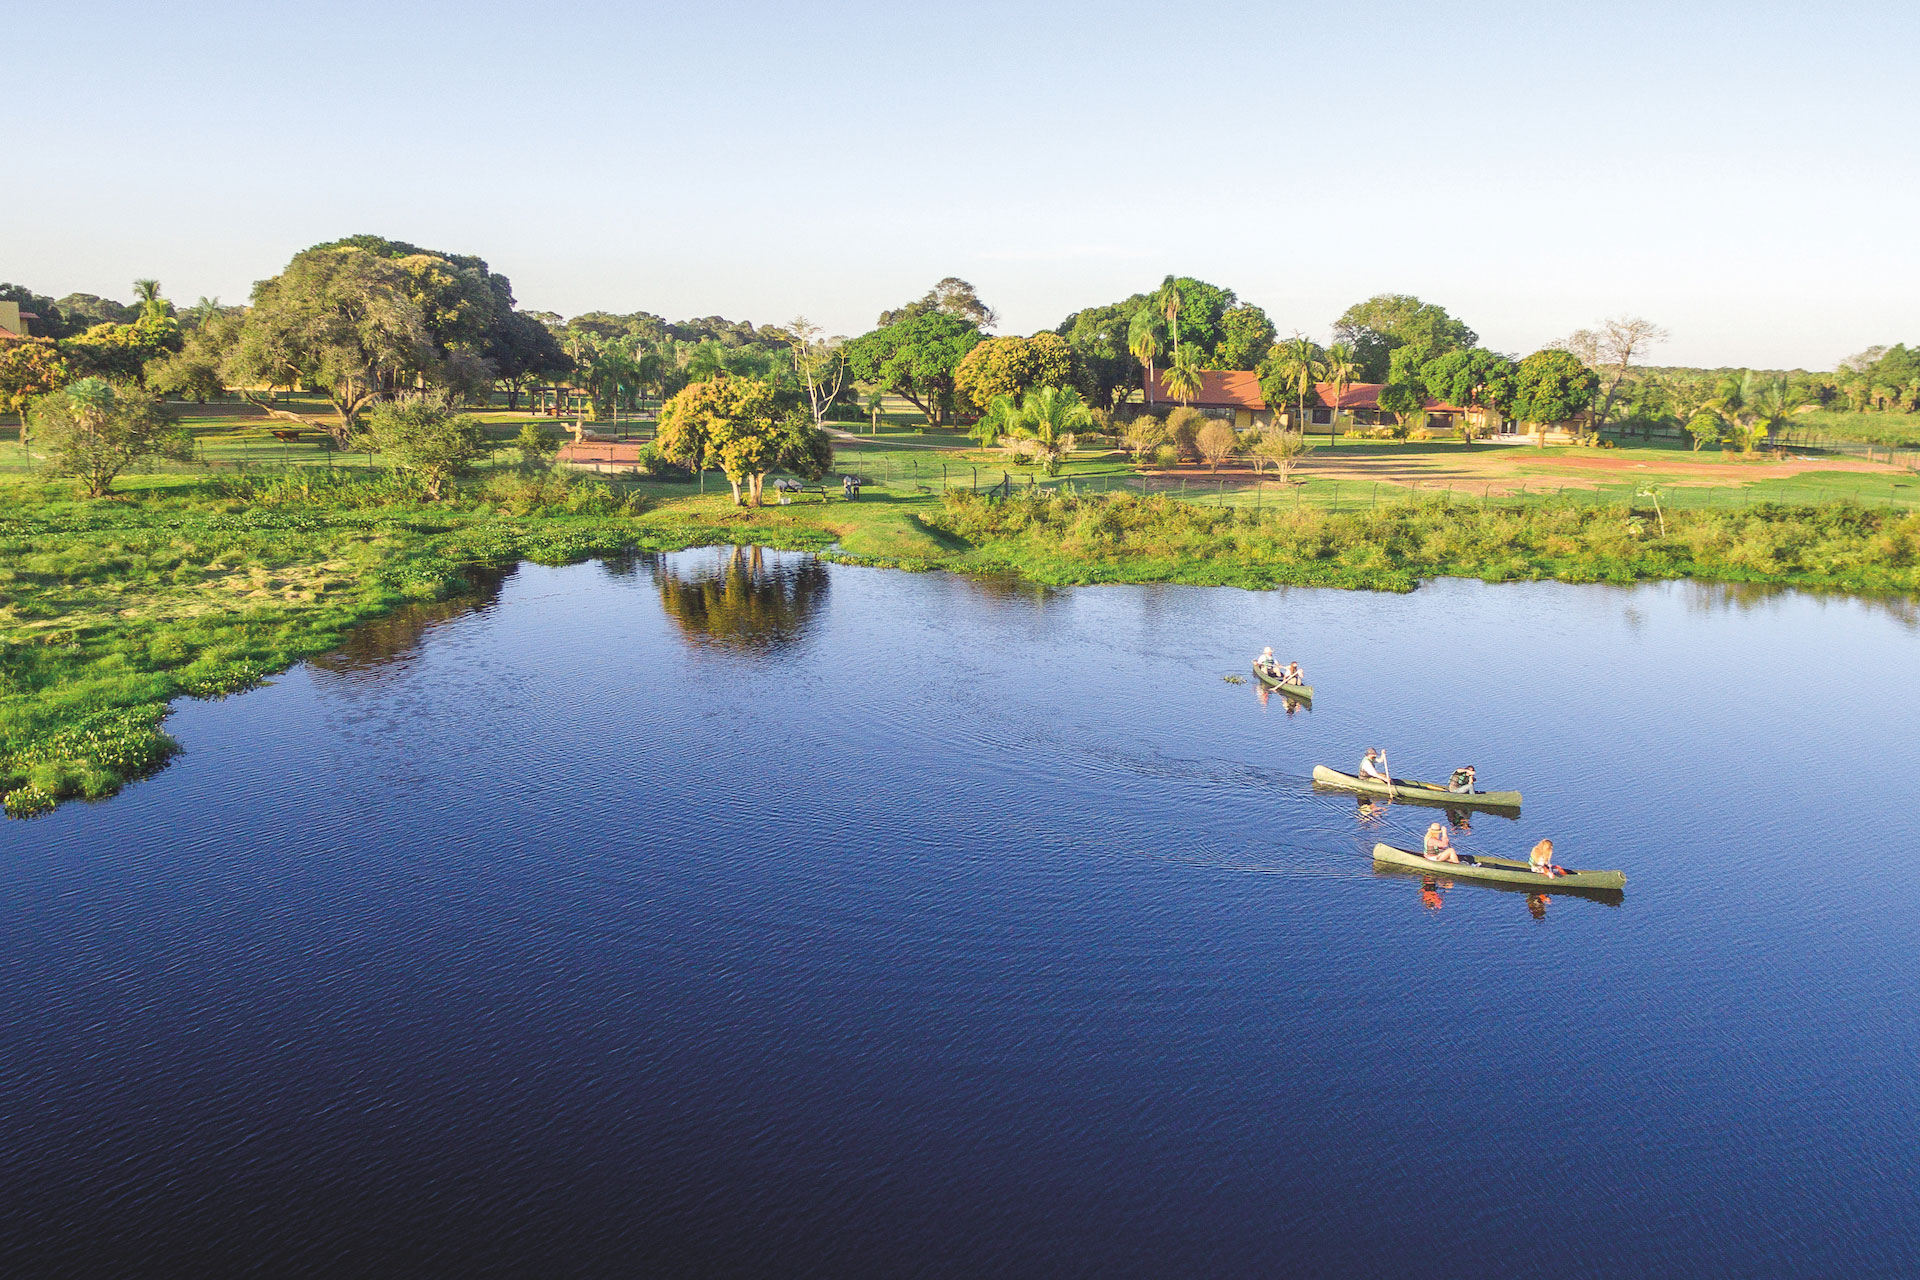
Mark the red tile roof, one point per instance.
(1239, 389)
(1219, 389)
(1366, 395)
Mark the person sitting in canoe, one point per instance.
(1293, 675)
(1461, 783)
(1438, 847)
(1373, 766)
(1267, 662)
(1541, 860)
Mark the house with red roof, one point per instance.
(1234, 395)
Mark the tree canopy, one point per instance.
(953, 297)
(340, 320)
(1470, 378)
(915, 358)
(1552, 386)
(1012, 367)
(737, 424)
(1099, 339)
(1374, 328)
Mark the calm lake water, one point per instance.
(718, 914)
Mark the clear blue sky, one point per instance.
(1743, 173)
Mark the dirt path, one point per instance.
(1505, 469)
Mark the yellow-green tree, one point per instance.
(736, 424)
(1013, 366)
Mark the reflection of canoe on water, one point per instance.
(1275, 682)
(1501, 870)
(1411, 790)
(1429, 871)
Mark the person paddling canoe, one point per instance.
(1373, 766)
(1541, 860)
(1293, 675)
(1438, 847)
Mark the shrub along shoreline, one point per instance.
(111, 610)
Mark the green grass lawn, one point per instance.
(1900, 430)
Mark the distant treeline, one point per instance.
(363, 319)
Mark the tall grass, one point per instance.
(1065, 538)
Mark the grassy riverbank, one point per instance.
(191, 586)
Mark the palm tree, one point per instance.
(1299, 364)
(1169, 303)
(1048, 417)
(707, 362)
(1001, 418)
(1143, 340)
(1769, 406)
(1183, 375)
(1341, 370)
(875, 403)
(151, 303)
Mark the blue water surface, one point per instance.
(734, 913)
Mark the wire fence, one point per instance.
(1270, 492)
(1817, 442)
(911, 477)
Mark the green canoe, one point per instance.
(1413, 790)
(1501, 870)
(1291, 690)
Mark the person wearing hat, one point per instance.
(1373, 766)
(1438, 848)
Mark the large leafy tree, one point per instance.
(737, 424)
(524, 352)
(1201, 309)
(951, 297)
(1100, 339)
(121, 352)
(1246, 335)
(193, 372)
(1551, 386)
(915, 359)
(1372, 329)
(339, 320)
(1013, 366)
(94, 430)
(1478, 377)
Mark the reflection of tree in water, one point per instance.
(1007, 587)
(391, 637)
(1746, 597)
(745, 602)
